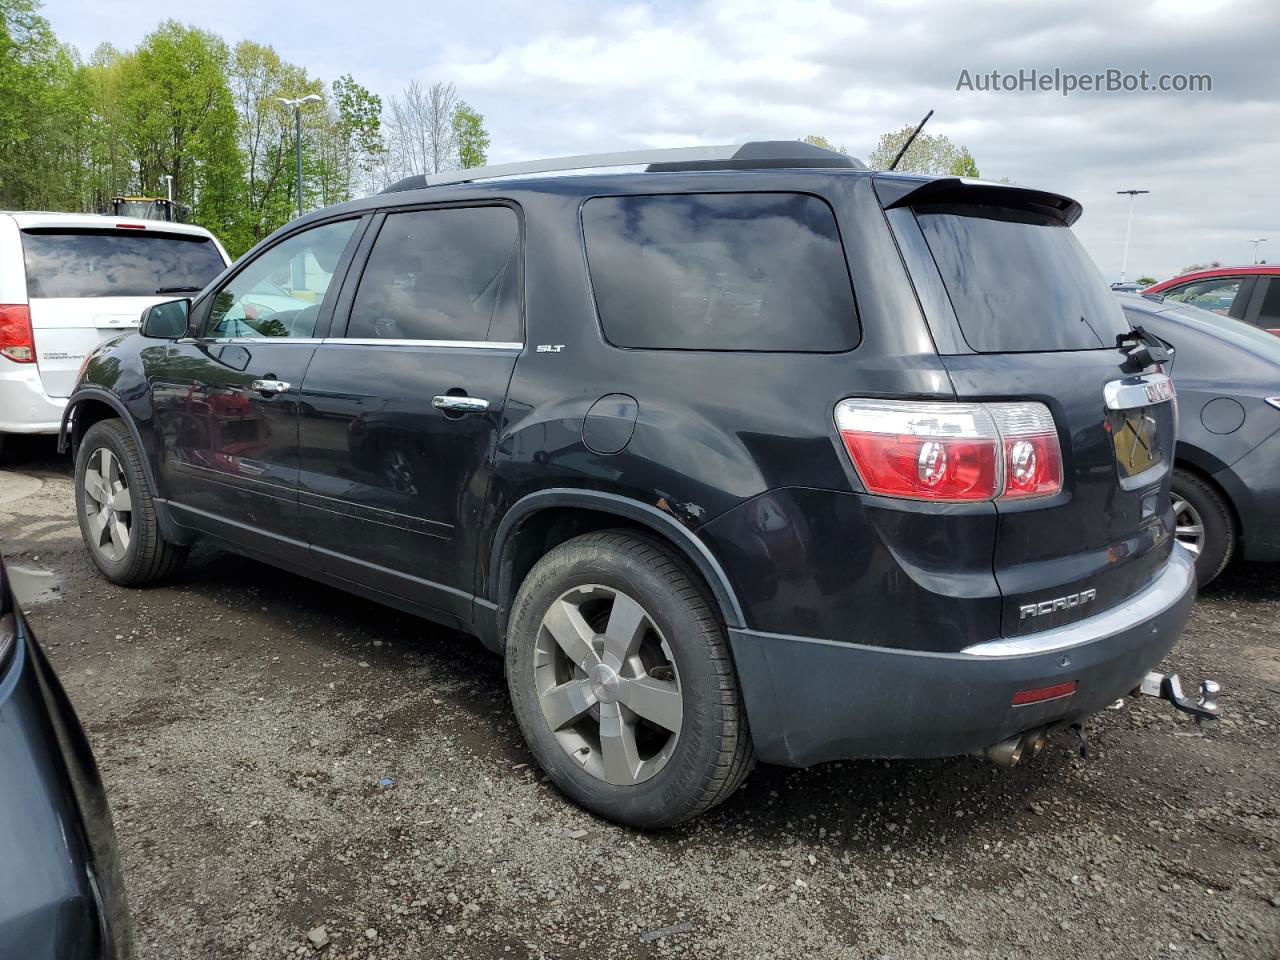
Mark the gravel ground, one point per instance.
(244, 717)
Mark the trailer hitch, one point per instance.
(1168, 686)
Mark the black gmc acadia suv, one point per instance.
(751, 454)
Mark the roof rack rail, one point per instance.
(754, 155)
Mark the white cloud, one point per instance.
(572, 76)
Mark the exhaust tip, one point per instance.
(1006, 753)
(1020, 747)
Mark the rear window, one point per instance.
(759, 271)
(116, 263)
(1020, 283)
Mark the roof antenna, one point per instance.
(910, 140)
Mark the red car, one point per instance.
(1251, 294)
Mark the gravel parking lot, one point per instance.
(244, 718)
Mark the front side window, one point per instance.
(446, 274)
(724, 271)
(1216, 295)
(117, 263)
(280, 293)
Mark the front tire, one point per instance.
(1204, 524)
(116, 512)
(622, 683)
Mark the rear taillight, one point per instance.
(16, 340)
(952, 452)
(1032, 458)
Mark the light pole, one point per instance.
(1128, 229)
(297, 124)
(1255, 241)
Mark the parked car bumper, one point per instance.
(61, 892)
(810, 700)
(24, 405)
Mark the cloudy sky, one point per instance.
(557, 77)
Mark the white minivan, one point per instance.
(68, 281)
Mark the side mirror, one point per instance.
(165, 321)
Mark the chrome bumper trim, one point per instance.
(1178, 576)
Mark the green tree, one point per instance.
(257, 78)
(1146, 281)
(818, 140)
(180, 120)
(346, 143)
(43, 107)
(932, 154)
(964, 165)
(470, 135)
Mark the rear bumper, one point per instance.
(24, 406)
(810, 700)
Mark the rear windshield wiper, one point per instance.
(187, 289)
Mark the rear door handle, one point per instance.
(270, 386)
(454, 404)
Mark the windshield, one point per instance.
(1019, 283)
(116, 263)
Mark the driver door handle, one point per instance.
(454, 404)
(270, 386)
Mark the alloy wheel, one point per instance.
(607, 684)
(1188, 526)
(108, 505)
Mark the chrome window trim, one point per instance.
(1136, 391)
(467, 344)
(1175, 580)
(374, 342)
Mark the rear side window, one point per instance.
(725, 271)
(447, 274)
(117, 263)
(1020, 283)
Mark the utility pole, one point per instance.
(297, 125)
(1124, 264)
(1255, 241)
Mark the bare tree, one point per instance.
(420, 131)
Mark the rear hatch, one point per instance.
(85, 285)
(1020, 313)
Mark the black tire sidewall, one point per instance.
(1219, 528)
(672, 794)
(142, 526)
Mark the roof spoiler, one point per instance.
(910, 192)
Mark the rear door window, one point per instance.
(117, 263)
(1269, 312)
(1215, 295)
(725, 271)
(443, 274)
(1019, 283)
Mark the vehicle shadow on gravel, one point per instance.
(889, 803)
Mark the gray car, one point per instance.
(1226, 482)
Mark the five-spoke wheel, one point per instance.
(108, 507)
(608, 684)
(620, 676)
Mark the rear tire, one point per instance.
(1205, 524)
(116, 512)
(629, 609)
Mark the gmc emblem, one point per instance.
(1069, 602)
